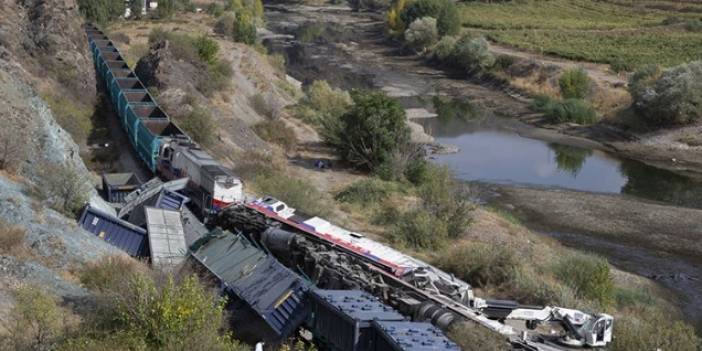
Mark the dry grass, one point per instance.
(11, 238)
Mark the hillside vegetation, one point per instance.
(624, 34)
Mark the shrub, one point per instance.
(569, 110)
(166, 9)
(214, 9)
(387, 215)
(297, 193)
(422, 33)
(207, 49)
(198, 124)
(108, 273)
(216, 77)
(135, 8)
(472, 54)
(13, 148)
(278, 62)
(11, 237)
(101, 11)
(62, 187)
(417, 171)
(472, 337)
(367, 191)
(395, 23)
(575, 84)
(657, 331)
(444, 48)
(277, 132)
(370, 132)
(588, 275)
(34, 323)
(480, 264)
(76, 119)
(420, 230)
(266, 105)
(225, 24)
(503, 62)
(668, 97)
(445, 12)
(326, 101)
(444, 199)
(244, 29)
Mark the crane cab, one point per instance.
(600, 334)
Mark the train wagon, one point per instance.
(163, 147)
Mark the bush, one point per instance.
(102, 11)
(266, 105)
(217, 77)
(367, 191)
(135, 8)
(395, 23)
(326, 101)
(13, 148)
(207, 49)
(244, 29)
(473, 337)
(575, 84)
(166, 9)
(417, 171)
(297, 193)
(35, 322)
(422, 33)
(669, 97)
(445, 12)
(569, 110)
(198, 124)
(11, 237)
(214, 9)
(654, 332)
(472, 54)
(370, 132)
(225, 24)
(63, 188)
(482, 265)
(444, 48)
(76, 119)
(589, 276)
(109, 272)
(420, 230)
(277, 132)
(444, 199)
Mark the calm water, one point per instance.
(491, 150)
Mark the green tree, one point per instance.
(575, 84)
(102, 11)
(422, 33)
(371, 131)
(445, 12)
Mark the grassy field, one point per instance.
(621, 32)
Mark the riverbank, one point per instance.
(654, 240)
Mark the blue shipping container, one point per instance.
(341, 319)
(115, 231)
(410, 336)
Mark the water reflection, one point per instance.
(569, 158)
(491, 151)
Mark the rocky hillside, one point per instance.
(44, 59)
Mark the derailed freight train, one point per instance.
(336, 258)
(269, 302)
(159, 143)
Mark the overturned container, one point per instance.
(117, 185)
(410, 336)
(341, 319)
(115, 231)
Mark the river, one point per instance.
(349, 51)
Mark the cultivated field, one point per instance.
(623, 33)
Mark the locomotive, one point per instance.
(160, 144)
